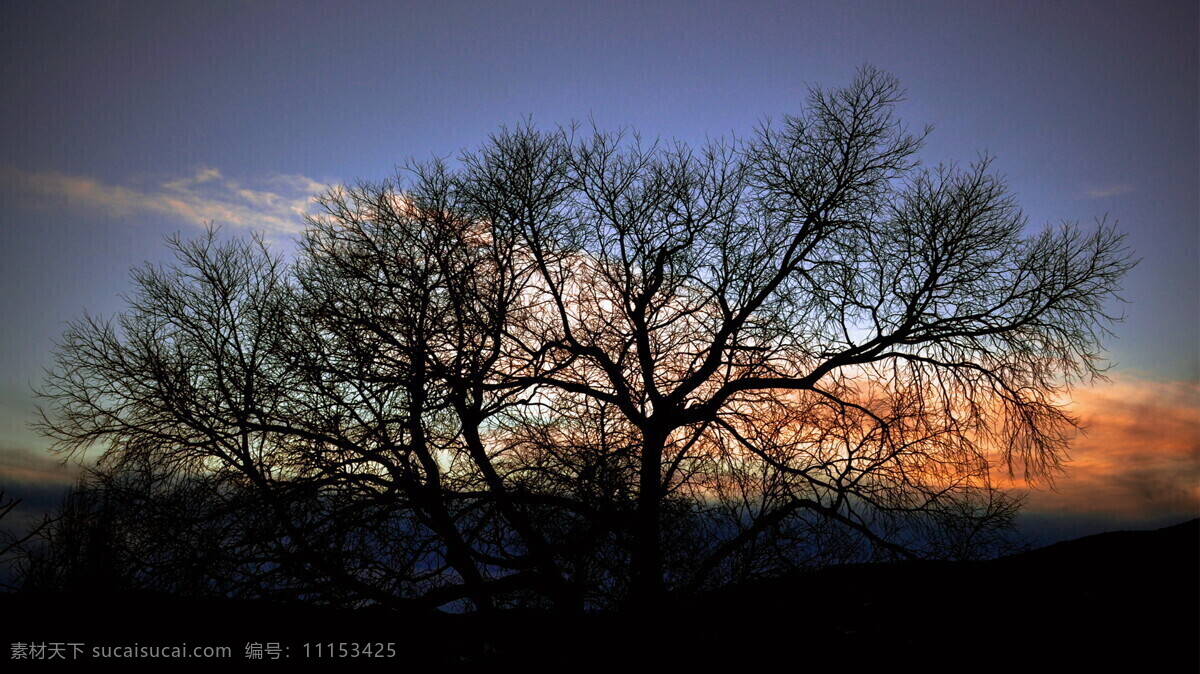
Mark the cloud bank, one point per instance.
(1139, 457)
(275, 204)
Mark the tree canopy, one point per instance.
(579, 369)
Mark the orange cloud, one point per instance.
(1139, 456)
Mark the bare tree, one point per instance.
(194, 395)
(907, 333)
(583, 369)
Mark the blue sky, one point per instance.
(128, 121)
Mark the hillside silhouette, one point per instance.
(1129, 596)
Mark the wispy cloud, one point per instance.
(21, 466)
(1104, 191)
(1140, 455)
(273, 204)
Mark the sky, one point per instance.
(126, 122)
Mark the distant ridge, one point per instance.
(1178, 538)
(1118, 597)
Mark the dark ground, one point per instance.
(1107, 601)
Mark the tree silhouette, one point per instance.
(580, 369)
(9, 539)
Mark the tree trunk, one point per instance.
(646, 591)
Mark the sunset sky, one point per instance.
(125, 122)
